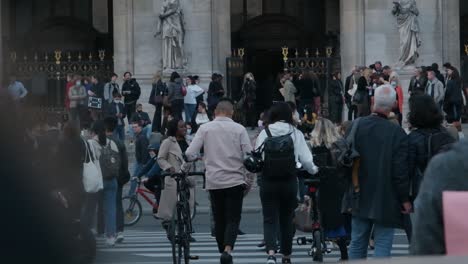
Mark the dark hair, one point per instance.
(100, 130)
(116, 94)
(202, 104)
(172, 127)
(193, 81)
(335, 74)
(435, 66)
(386, 67)
(114, 75)
(94, 76)
(424, 113)
(447, 65)
(110, 123)
(280, 111)
(127, 73)
(174, 76)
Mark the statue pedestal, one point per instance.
(404, 74)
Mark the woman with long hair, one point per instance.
(361, 98)
(336, 98)
(190, 100)
(109, 193)
(158, 92)
(248, 99)
(279, 186)
(325, 141)
(453, 96)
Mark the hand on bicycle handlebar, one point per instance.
(186, 167)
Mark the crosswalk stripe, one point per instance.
(156, 245)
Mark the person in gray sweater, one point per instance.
(446, 172)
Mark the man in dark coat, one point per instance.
(383, 183)
(446, 172)
(131, 91)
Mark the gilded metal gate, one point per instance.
(235, 72)
(44, 75)
(323, 65)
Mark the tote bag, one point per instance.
(92, 178)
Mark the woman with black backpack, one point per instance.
(284, 150)
(107, 155)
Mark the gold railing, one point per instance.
(304, 60)
(59, 63)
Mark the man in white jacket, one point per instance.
(279, 194)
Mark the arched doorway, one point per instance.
(263, 37)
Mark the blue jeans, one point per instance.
(147, 130)
(133, 184)
(110, 207)
(189, 111)
(119, 132)
(360, 235)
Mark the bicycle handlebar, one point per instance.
(181, 174)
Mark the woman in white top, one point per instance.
(278, 196)
(99, 141)
(190, 99)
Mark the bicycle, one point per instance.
(318, 241)
(180, 230)
(132, 206)
(133, 210)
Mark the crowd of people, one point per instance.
(84, 166)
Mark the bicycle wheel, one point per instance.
(132, 210)
(175, 236)
(187, 230)
(317, 247)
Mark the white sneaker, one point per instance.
(120, 238)
(110, 241)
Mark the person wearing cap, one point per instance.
(153, 172)
(190, 99)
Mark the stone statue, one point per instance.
(171, 29)
(407, 14)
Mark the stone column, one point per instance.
(123, 36)
(352, 34)
(220, 34)
(451, 32)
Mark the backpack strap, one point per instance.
(267, 130)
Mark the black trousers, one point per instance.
(226, 205)
(157, 119)
(177, 106)
(120, 214)
(352, 112)
(130, 109)
(278, 202)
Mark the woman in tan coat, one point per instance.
(170, 159)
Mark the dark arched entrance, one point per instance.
(262, 37)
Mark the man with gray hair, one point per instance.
(381, 191)
(225, 145)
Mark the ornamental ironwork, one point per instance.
(59, 63)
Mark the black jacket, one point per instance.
(453, 94)
(446, 172)
(133, 87)
(112, 111)
(215, 92)
(141, 149)
(158, 89)
(383, 172)
(418, 156)
(142, 117)
(98, 90)
(308, 89)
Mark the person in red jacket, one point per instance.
(399, 91)
(70, 82)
